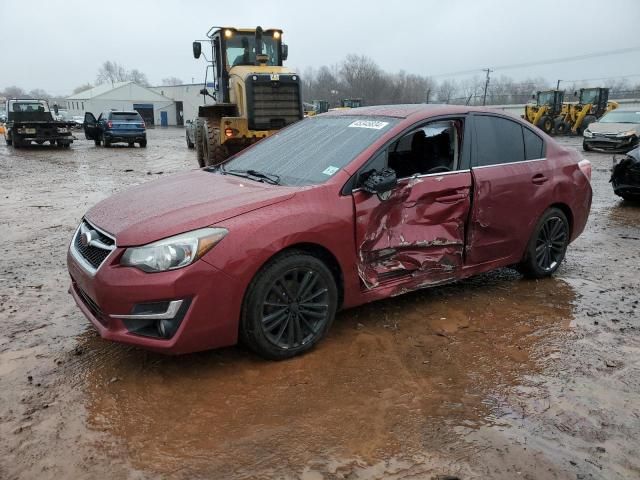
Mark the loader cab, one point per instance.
(351, 103)
(233, 47)
(597, 97)
(552, 99)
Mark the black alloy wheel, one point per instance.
(548, 245)
(289, 306)
(295, 309)
(551, 243)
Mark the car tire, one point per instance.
(143, 144)
(97, 142)
(547, 246)
(276, 321)
(107, 142)
(585, 146)
(190, 144)
(8, 141)
(131, 144)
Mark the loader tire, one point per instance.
(199, 143)
(214, 152)
(545, 124)
(586, 121)
(561, 127)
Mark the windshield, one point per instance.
(588, 96)
(126, 116)
(241, 49)
(621, 117)
(313, 150)
(26, 106)
(545, 98)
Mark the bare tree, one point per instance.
(111, 72)
(364, 78)
(169, 81)
(38, 93)
(138, 77)
(446, 91)
(14, 92)
(82, 88)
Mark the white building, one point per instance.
(154, 108)
(187, 97)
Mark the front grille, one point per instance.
(93, 253)
(273, 104)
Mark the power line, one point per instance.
(603, 78)
(544, 62)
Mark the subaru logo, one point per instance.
(87, 237)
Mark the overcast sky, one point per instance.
(58, 45)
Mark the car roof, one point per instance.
(410, 110)
(125, 112)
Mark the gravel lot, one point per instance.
(494, 377)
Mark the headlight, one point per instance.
(173, 252)
(587, 133)
(627, 133)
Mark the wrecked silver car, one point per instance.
(617, 131)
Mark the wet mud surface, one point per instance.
(493, 377)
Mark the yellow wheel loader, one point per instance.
(253, 95)
(545, 113)
(592, 104)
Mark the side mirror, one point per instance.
(285, 51)
(197, 49)
(381, 182)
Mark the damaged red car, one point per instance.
(332, 212)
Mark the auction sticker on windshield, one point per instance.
(376, 125)
(330, 170)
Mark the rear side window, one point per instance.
(498, 141)
(533, 145)
(126, 116)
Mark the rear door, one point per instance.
(90, 126)
(512, 188)
(414, 235)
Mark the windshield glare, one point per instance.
(313, 150)
(621, 117)
(241, 49)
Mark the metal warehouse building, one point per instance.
(155, 108)
(188, 97)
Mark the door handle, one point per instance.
(451, 198)
(539, 179)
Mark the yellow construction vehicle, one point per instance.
(545, 112)
(592, 104)
(253, 94)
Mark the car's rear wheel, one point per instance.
(97, 142)
(131, 144)
(289, 306)
(548, 244)
(143, 144)
(107, 142)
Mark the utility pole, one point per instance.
(558, 85)
(486, 86)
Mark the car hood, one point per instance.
(613, 127)
(180, 203)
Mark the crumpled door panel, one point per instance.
(416, 236)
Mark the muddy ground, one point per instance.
(494, 377)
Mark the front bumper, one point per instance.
(209, 319)
(601, 143)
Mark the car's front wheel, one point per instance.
(289, 306)
(548, 244)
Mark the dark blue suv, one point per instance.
(115, 127)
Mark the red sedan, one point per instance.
(332, 212)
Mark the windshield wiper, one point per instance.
(271, 178)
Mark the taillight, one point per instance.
(585, 168)
(110, 124)
(143, 125)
